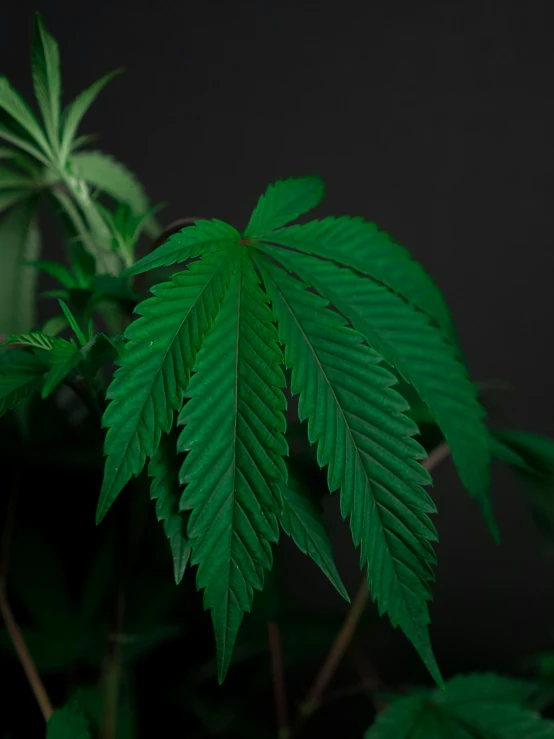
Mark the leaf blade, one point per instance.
(173, 322)
(204, 237)
(14, 105)
(67, 723)
(166, 491)
(235, 401)
(110, 176)
(20, 241)
(45, 62)
(406, 340)
(356, 420)
(359, 244)
(283, 201)
(75, 111)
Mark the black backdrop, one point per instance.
(434, 119)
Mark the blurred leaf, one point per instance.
(20, 242)
(73, 323)
(11, 197)
(56, 270)
(54, 325)
(45, 59)
(531, 457)
(89, 699)
(10, 180)
(113, 178)
(63, 360)
(21, 374)
(14, 105)
(67, 723)
(75, 111)
(482, 706)
(84, 265)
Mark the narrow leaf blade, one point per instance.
(204, 237)
(353, 242)
(166, 491)
(234, 434)
(45, 59)
(75, 111)
(160, 353)
(406, 340)
(283, 201)
(357, 421)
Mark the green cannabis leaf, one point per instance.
(366, 442)
(217, 319)
(471, 706)
(234, 434)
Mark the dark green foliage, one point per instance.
(194, 393)
(472, 707)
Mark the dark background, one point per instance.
(434, 119)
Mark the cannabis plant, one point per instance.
(329, 320)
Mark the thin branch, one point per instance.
(348, 628)
(278, 679)
(336, 653)
(23, 654)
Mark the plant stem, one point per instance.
(278, 679)
(348, 628)
(23, 654)
(336, 653)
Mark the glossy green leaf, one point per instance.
(161, 352)
(45, 58)
(67, 723)
(472, 707)
(406, 340)
(73, 114)
(204, 237)
(166, 491)
(283, 201)
(302, 520)
(234, 434)
(357, 421)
